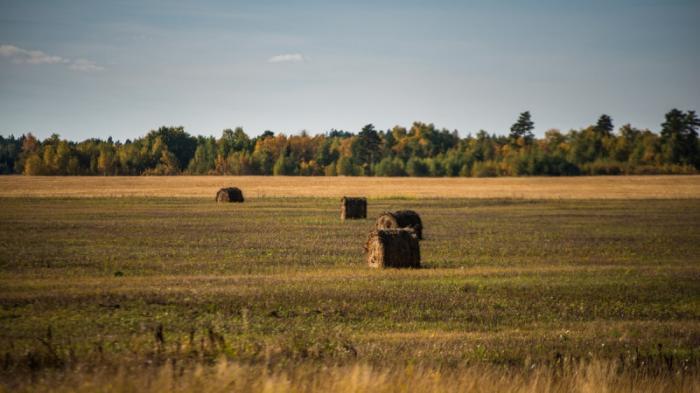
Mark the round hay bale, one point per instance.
(393, 248)
(400, 219)
(230, 194)
(353, 208)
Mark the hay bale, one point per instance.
(230, 194)
(400, 219)
(353, 207)
(393, 248)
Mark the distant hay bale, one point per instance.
(230, 194)
(353, 207)
(400, 219)
(393, 248)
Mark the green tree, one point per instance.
(168, 164)
(625, 143)
(367, 147)
(63, 156)
(130, 159)
(389, 166)
(204, 158)
(49, 160)
(10, 149)
(284, 166)
(263, 162)
(679, 138)
(435, 166)
(326, 154)
(177, 141)
(604, 126)
(344, 167)
(388, 142)
(239, 164)
(233, 141)
(105, 162)
(586, 146)
(73, 167)
(417, 167)
(522, 128)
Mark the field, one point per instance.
(544, 284)
(598, 187)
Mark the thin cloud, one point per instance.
(23, 56)
(85, 66)
(287, 58)
(34, 57)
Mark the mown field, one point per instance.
(165, 293)
(592, 187)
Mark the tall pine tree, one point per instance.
(522, 128)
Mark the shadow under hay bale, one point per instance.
(393, 248)
(352, 208)
(230, 194)
(400, 219)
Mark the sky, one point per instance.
(86, 69)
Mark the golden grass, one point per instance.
(587, 377)
(600, 187)
(17, 286)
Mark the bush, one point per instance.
(669, 169)
(284, 166)
(604, 168)
(329, 170)
(436, 168)
(390, 167)
(555, 166)
(485, 169)
(344, 167)
(417, 167)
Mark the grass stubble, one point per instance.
(583, 187)
(182, 294)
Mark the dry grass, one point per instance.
(588, 377)
(602, 187)
(146, 294)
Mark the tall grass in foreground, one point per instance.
(589, 377)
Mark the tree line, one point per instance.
(421, 150)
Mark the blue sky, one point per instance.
(120, 68)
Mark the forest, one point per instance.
(421, 150)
